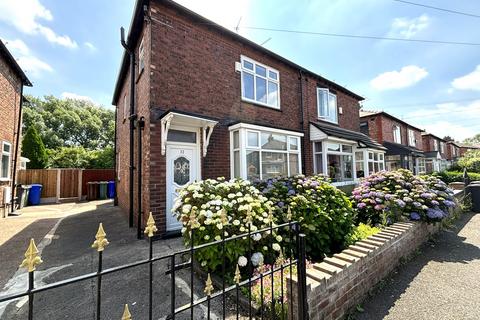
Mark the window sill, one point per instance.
(344, 183)
(5, 180)
(327, 121)
(259, 104)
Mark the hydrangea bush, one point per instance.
(211, 208)
(325, 213)
(387, 197)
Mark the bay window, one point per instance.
(262, 153)
(339, 160)
(327, 105)
(260, 83)
(421, 166)
(5, 160)
(375, 162)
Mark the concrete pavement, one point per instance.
(441, 282)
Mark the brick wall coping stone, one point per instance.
(339, 283)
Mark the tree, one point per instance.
(34, 149)
(473, 140)
(70, 122)
(78, 157)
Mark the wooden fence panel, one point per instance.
(69, 183)
(90, 175)
(45, 177)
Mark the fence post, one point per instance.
(302, 278)
(59, 182)
(80, 184)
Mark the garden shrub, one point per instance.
(471, 161)
(362, 231)
(212, 207)
(456, 176)
(387, 197)
(325, 213)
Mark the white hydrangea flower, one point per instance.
(186, 208)
(265, 248)
(184, 229)
(276, 247)
(219, 226)
(207, 237)
(236, 222)
(242, 261)
(279, 238)
(256, 237)
(218, 238)
(231, 196)
(257, 259)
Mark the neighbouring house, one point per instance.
(436, 153)
(12, 80)
(215, 104)
(464, 148)
(403, 142)
(453, 151)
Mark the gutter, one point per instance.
(132, 118)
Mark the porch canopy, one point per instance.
(321, 131)
(176, 118)
(399, 149)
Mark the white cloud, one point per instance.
(407, 28)
(90, 46)
(469, 81)
(406, 77)
(23, 15)
(454, 119)
(28, 62)
(71, 95)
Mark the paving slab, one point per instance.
(442, 281)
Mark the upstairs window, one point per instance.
(260, 83)
(397, 134)
(125, 107)
(411, 138)
(442, 147)
(435, 145)
(5, 160)
(141, 57)
(327, 105)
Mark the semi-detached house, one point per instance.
(436, 153)
(215, 104)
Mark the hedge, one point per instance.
(456, 176)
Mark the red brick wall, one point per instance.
(381, 130)
(10, 87)
(191, 68)
(429, 145)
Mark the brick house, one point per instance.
(453, 151)
(216, 104)
(403, 141)
(464, 148)
(12, 80)
(436, 153)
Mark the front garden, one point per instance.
(212, 210)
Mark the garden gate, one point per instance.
(288, 302)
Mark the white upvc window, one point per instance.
(141, 57)
(397, 134)
(5, 160)
(260, 83)
(376, 162)
(411, 138)
(334, 159)
(368, 162)
(421, 166)
(327, 105)
(442, 147)
(262, 153)
(435, 145)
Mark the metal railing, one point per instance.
(288, 263)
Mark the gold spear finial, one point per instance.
(151, 228)
(289, 214)
(237, 277)
(32, 259)
(101, 239)
(208, 286)
(126, 313)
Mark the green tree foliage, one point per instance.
(79, 157)
(77, 133)
(34, 149)
(473, 140)
(471, 161)
(70, 122)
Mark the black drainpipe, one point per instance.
(132, 118)
(302, 122)
(141, 125)
(115, 169)
(19, 124)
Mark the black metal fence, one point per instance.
(265, 306)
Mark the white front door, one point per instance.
(182, 168)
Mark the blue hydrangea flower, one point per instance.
(414, 216)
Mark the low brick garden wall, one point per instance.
(339, 283)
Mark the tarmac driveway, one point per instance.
(67, 253)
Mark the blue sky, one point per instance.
(71, 48)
